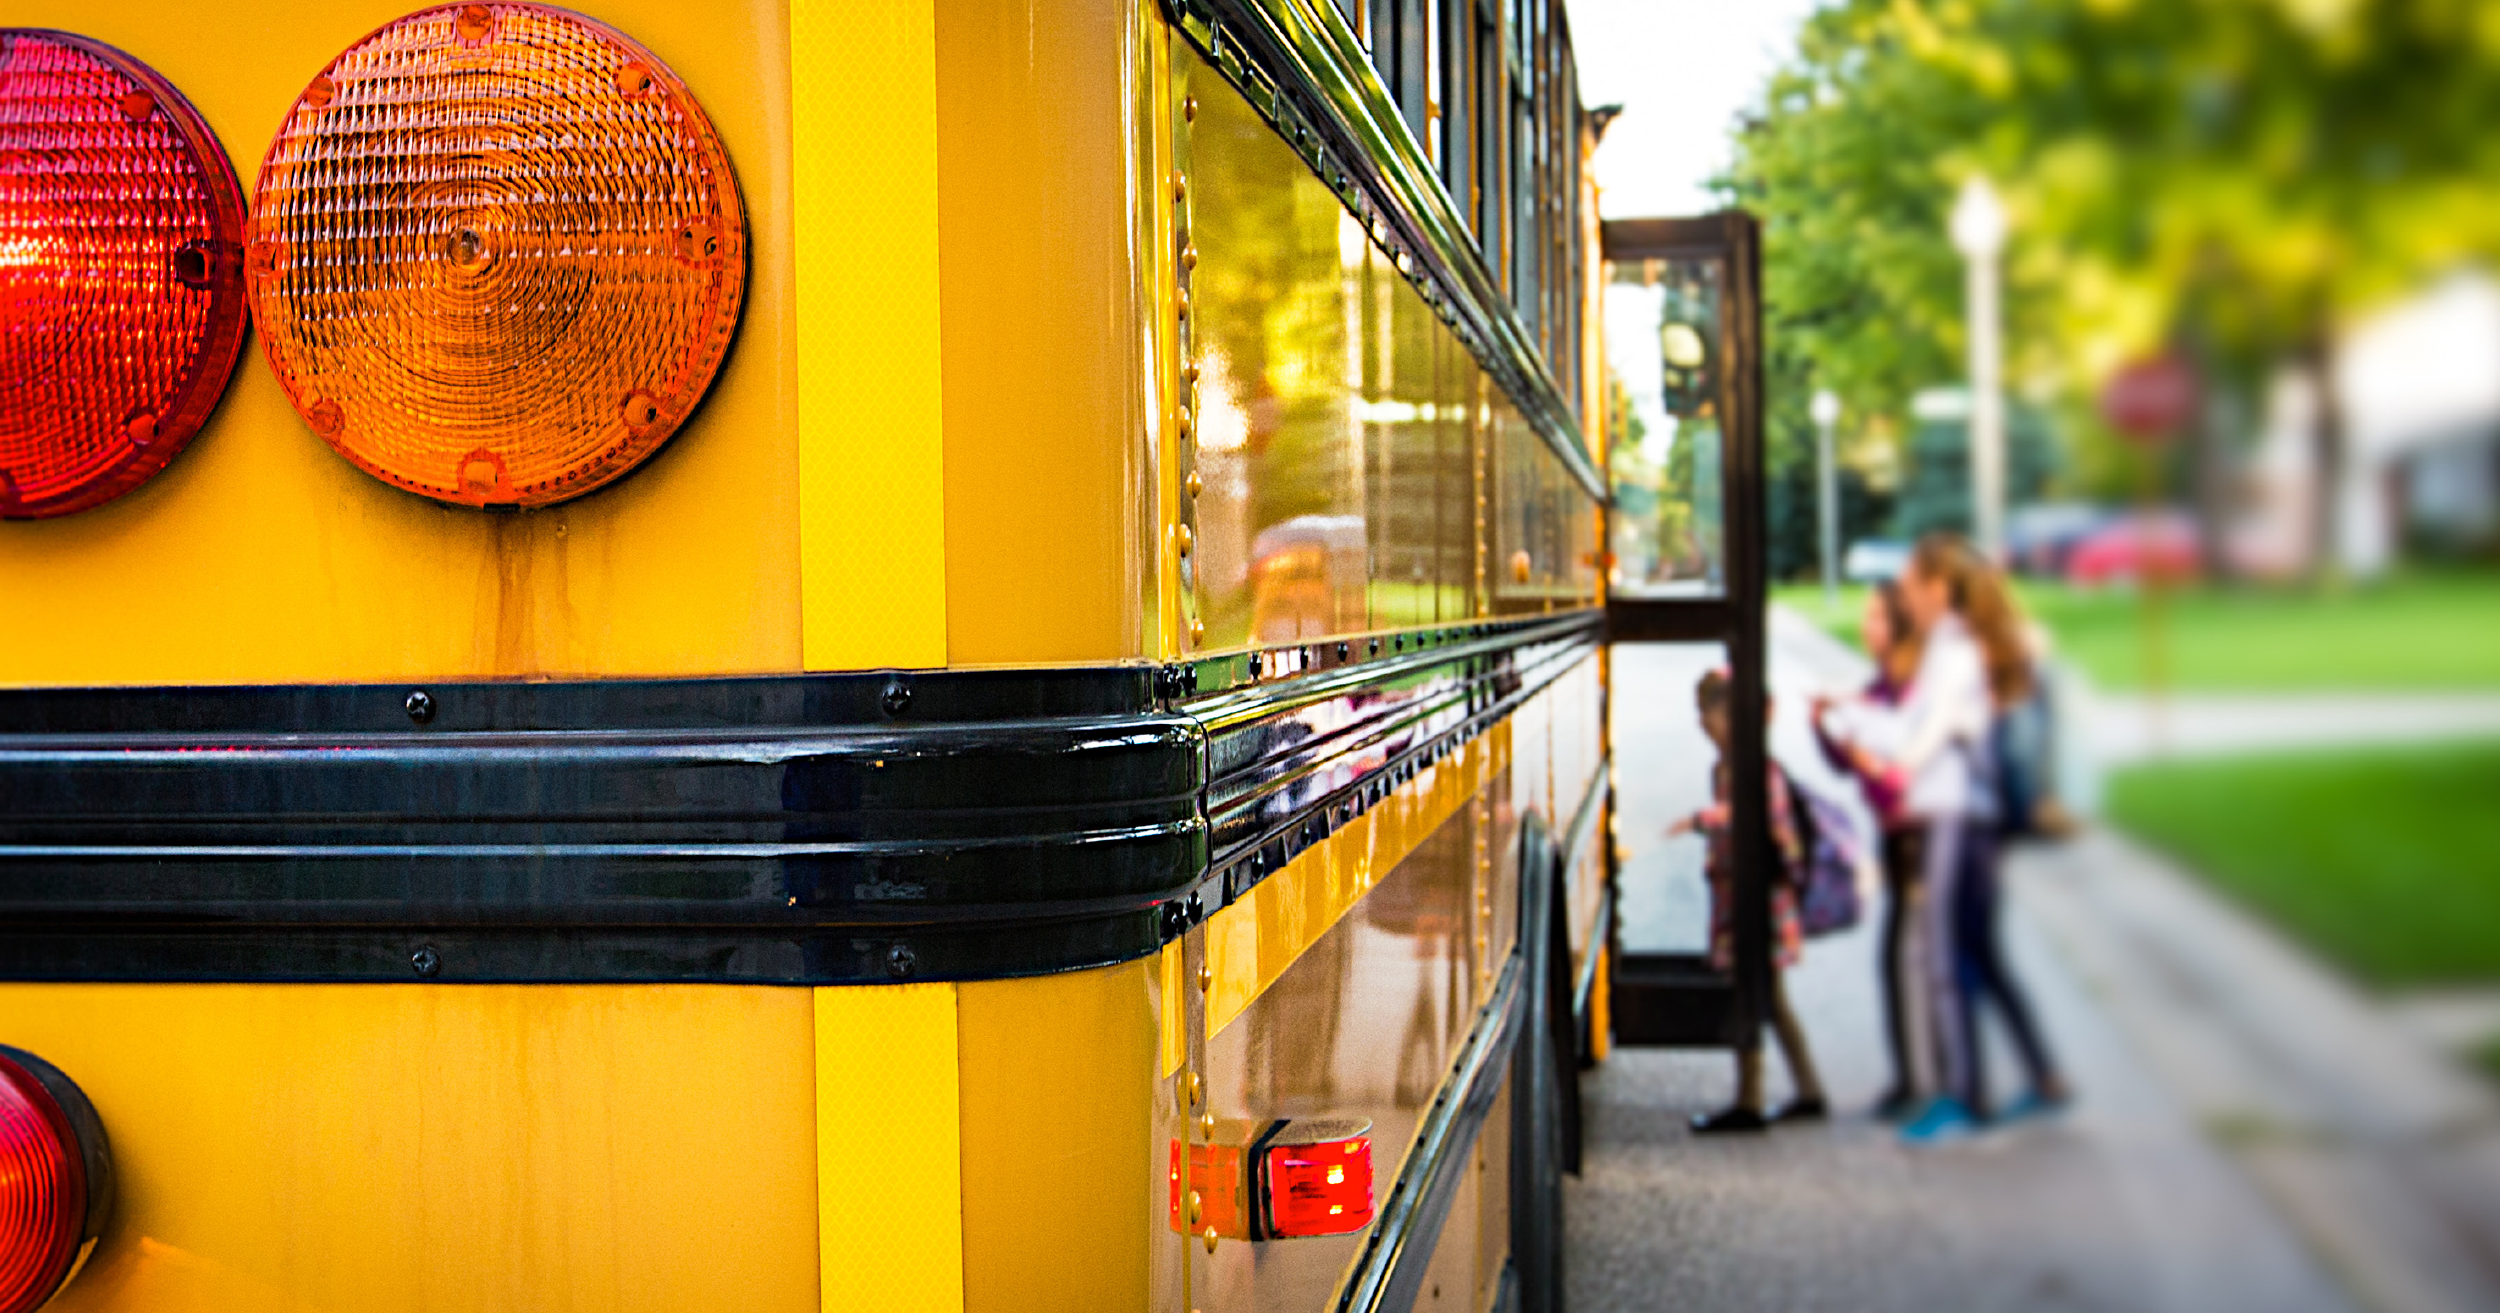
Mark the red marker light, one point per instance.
(55, 1180)
(1215, 1178)
(1323, 1187)
(121, 278)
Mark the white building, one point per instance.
(2420, 386)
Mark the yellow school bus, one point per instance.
(813, 655)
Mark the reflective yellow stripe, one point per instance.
(864, 203)
(1250, 943)
(889, 1149)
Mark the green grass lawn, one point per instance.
(2385, 861)
(2423, 631)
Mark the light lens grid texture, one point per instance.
(43, 1192)
(497, 254)
(121, 287)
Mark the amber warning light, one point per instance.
(1313, 1177)
(497, 254)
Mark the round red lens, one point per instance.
(43, 1192)
(497, 254)
(121, 281)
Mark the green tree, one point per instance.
(2235, 178)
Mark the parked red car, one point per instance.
(2134, 547)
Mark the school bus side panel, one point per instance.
(259, 556)
(425, 1147)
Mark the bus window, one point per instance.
(1663, 342)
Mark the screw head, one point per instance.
(420, 706)
(900, 960)
(427, 962)
(897, 697)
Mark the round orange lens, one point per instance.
(497, 254)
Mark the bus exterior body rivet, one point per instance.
(1206, 977)
(900, 960)
(897, 697)
(427, 962)
(420, 706)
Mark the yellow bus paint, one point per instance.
(889, 1149)
(1175, 1019)
(442, 1148)
(1251, 942)
(871, 432)
(1045, 400)
(1058, 1161)
(259, 556)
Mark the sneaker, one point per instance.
(2040, 1101)
(1735, 1119)
(1810, 1109)
(1941, 1120)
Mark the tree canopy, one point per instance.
(2242, 173)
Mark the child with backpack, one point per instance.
(1747, 1113)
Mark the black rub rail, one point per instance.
(816, 829)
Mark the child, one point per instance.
(1892, 642)
(1788, 941)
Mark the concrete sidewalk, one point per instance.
(2252, 1133)
(2124, 728)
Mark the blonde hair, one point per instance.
(1985, 603)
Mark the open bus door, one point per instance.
(1685, 591)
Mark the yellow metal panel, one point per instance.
(1250, 943)
(889, 1157)
(442, 1148)
(871, 458)
(258, 555)
(1175, 1027)
(1045, 371)
(1058, 1160)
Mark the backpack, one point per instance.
(1826, 875)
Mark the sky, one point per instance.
(1683, 70)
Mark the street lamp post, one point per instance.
(1826, 409)
(1979, 225)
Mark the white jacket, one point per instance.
(1939, 733)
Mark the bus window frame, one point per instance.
(1674, 999)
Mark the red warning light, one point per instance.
(55, 1180)
(497, 254)
(1320, 1188)
(121, 282)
